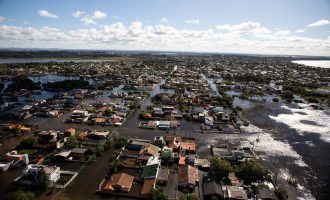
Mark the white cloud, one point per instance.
(249, 27)
(99, 15)
(2, 19)
(78, 14)
(164, 20)
(247, 37)
(192, 21)
(45, 13)
(321, 22)
(87, 20)
(300, 31)
(282, 32)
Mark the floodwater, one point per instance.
(314, 63)
(292, 141)
(293, 146)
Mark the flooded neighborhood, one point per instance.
(147, 126)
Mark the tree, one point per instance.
(251, 171)
(121, 142)
(40, 180)
(71, 142)
(219, 168)
(188, 197)
(29, 142)
(158, 194)
(22, 195)
(281, 194)
(114, 167)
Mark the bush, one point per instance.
(251, 171)
(121, 142)
(219, 168)
(281, 194)
(158, 194)
(29, 142)
(275, 100)
(21, 195)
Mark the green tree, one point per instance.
(71, 142)
(188, 197)
(29, 142)
(281, 193)
(158, 194)
(40, 180)
(115, 167)
(251, 171)
(21, 195)
(219, 168)
(121, 142)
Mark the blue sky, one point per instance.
(239, 26)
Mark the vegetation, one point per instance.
(275, 100)
(115, 166)
(21, 195)
(219, 168)
(158, 194)
(71, 142)
(40, 181)
(282, 194)
(66, 85)
(121, 142)
(22, 82)
(251, 171)
(188, 197)
(29, 142)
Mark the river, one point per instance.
(314, 63)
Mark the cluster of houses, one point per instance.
(102, 114)
(146, 164)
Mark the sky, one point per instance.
(284, 27)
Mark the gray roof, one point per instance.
(163, 174)
(79, 150)
(211, 188)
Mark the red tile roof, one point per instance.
(148, 184)
(187, 175)
(121, 181)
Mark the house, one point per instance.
(78, 153)
(162, 176)
(164, 125)
(48, 137)
(150, 150)
(159, 141)
(187, 177)
(202, 163)
(234, 193)
(211, 189)
(147, 186)
(99, 121)
(188, 147)
(182, 160)
(233, 179)
(120, 182)
(52, 173)
(150, 171)
(82, 136)
(64, 154)
(266, 194)
(99, 134)
(70, 131)
(173, 142)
